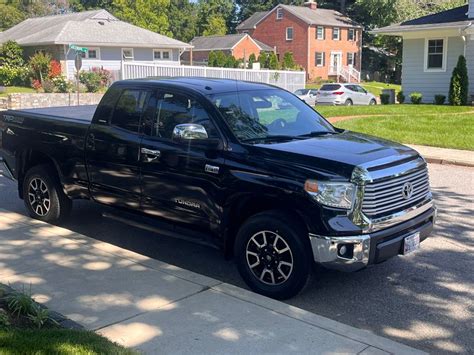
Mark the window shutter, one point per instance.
(324, 58)
(354, 58)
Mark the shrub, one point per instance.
(20, 303)
(54, 69)
(385, 99)
(416, 98)
(91, 80)
(11, 54)
(36, 84)
(400, 97)
(288, 61)
(105, 76)
(273, 62)
(39, 64)
(459, 85)
(252, 59)
(48, 85)
(439, 99)
(263, 60)
(10, 76)
(211, 60)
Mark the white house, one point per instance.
(431, 47)
(108, 40)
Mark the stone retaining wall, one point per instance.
(22, 101)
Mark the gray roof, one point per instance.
(93, 28)
(324, 17)
(227, 42)
(456, 17)
(249, 23)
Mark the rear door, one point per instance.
(112, 148)
(180, 181)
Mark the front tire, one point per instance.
(372, 102)
(348, 102)
(43, 195)
(273, 257)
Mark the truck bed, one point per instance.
(80, 114)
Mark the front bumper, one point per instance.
(373, 248)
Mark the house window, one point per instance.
(351, 34)
(351, 59)
(320, 32)
(336, 33)
(127, 54)
(92, 53)
(279, 13)
(289, 33)
(435, 54)
(320, 59)
(159, 54)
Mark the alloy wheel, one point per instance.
(38, 196)
(269, 257)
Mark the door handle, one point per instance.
(150, 155)
(91, 141)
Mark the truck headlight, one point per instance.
(331, 194)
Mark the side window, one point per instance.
(129, 108)
(174, 109)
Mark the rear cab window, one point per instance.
(129, 108)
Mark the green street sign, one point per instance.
(77, 48)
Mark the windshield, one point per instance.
(265, 114)
(330, 87)
(301, 92)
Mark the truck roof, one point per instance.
(203, 85)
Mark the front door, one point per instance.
(181, 180)
(336, 61)
(113, 145)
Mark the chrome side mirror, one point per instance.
(189, 131)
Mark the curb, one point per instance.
(448, 162)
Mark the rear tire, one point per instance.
(43, 195)
(272, 255)
(348, 102)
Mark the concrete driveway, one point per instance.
(425, 301)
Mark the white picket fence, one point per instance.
(289, 80)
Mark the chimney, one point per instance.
(313, 5)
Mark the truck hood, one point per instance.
(336, 154)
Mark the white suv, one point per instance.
(344, 94)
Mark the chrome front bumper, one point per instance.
(5, 170)
(327, 249)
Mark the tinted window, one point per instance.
(173, 109)
(330, 87)
(301, 92)
(104, 110)
(129, 108)
(266, 113)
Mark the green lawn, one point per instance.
(373, 87)
(16, 89)
(57, 341)
(439, 126)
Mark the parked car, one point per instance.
(248, 166)
(307, 95)
(344, 94)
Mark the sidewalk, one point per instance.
(445, 156)
(156, 307)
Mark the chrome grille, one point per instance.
(386, 196)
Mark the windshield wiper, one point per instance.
(270, 138)
(316, 134)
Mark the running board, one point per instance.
(164, 230)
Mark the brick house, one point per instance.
(325, 42)
(240, 45)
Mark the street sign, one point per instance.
(78, 61)
(78, 49)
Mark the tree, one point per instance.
(215, 25)
(459, 86)
(10, 16)
(11, 54)
(273, 62)
(263, 60)
(215, 16)
(212, 59)
(182, 18)
(149, 14)
(252, 59)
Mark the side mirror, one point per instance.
(194, 134)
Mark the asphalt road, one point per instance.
(425, 300)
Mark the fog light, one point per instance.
(343, 250)
(346, 251)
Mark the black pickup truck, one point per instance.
(270, 181)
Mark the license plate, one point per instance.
(411, 243)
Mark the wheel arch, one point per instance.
(244, 207)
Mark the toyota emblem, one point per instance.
(407, 190)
